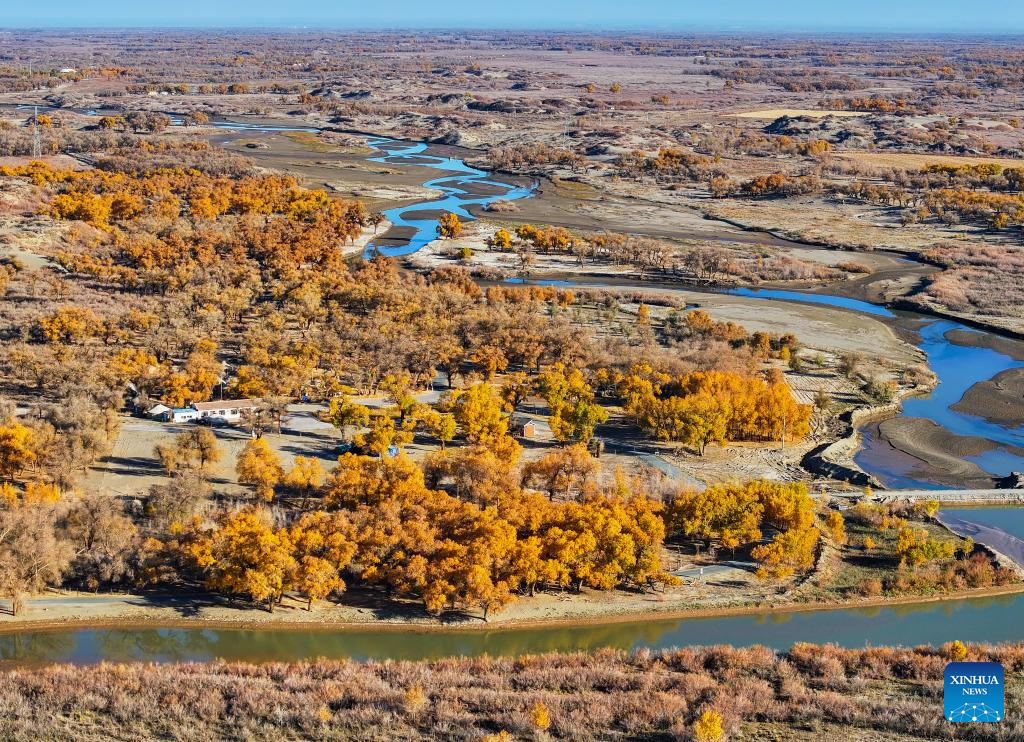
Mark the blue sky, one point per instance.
(969, 16)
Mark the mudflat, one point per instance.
(999, 400)
(941, 454)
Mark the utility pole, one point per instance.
(37, 149)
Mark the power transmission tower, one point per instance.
(37, 149)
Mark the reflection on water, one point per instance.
(162, 645)
(456, 199)
(993, 619)
(958, 368)
(37, 646)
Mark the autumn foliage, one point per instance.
(737, 515)
(383, 527)
(704, 407)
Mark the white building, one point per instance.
(225, 409)
(181, 415)
(229, 410)
(158, 411)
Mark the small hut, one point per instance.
(523, 427)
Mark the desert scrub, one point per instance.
(709, 692)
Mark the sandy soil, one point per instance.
(655, 214)
(1000, 399)
(126, 611)
(819, 327)
(341, 167)
(726, 589)
(858, 226)
(1006, 346)
(816, 326)
(940, 453)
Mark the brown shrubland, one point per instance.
(870, 693)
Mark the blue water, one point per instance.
(456, 199)
(1010, 519)
(958, 368)
(832, 301)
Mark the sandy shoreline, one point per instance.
(942, 455)
(396, 626)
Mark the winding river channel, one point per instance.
(958, 367)
(455, 187)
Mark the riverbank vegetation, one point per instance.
(707, 694)
(899, 549)
(699, 263)
(376, 524)
(176, 285)
(757, 129)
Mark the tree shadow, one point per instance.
(324, 437)
(188, 606)
(128, 465)
(383, 608)
(867, 561)
(325, 453)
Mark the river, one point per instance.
(993, 619)
(1001, 528)
(457, 189)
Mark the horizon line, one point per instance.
(591, 30)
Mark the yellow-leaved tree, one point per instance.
(563, 472)
(449, 226)
(260, 466)
(479, 412)
(245, 555)
(305, 476)
(324, 544)
(574, 413)
(17, 448)
(708, 726)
